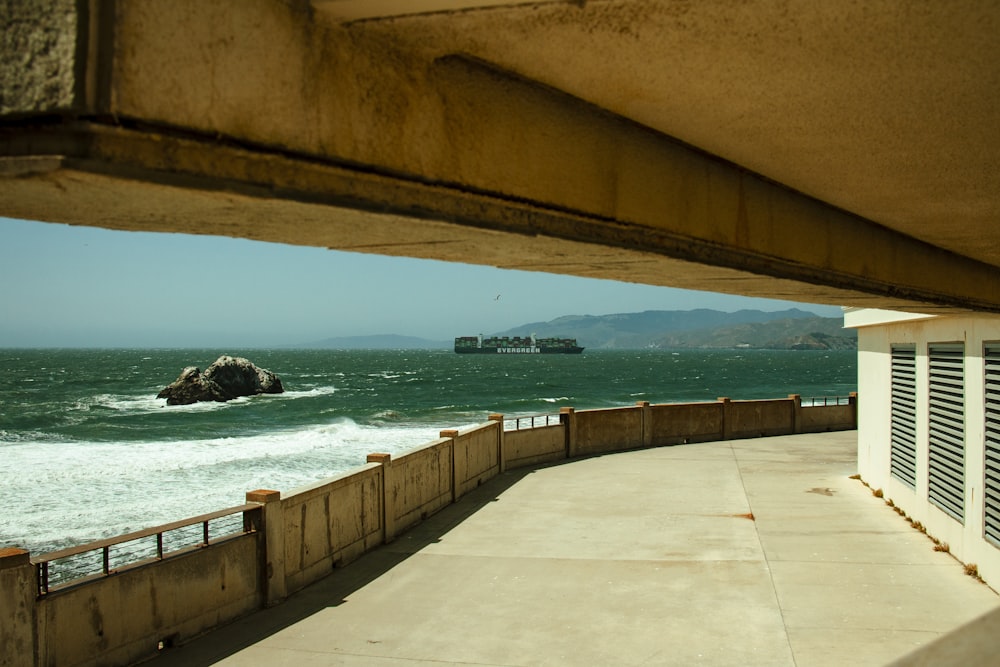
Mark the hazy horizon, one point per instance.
(81, 287)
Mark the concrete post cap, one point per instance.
(263, 496)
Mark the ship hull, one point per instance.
(516, 345)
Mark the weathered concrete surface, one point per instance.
(39, 46)
(835, 153)
(647, 557)
(122, 618)
(17, 590)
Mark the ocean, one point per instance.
(87, 451)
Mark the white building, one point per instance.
(929, 424)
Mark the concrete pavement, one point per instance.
(749, 552)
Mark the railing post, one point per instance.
(274, 544)
(727, 422)
(796, 400)
(567, 416)
(852, 400)
(18, 589)
(388, 497)
(646, 419)
(501, 452)
(456, 478)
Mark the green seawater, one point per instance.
(88, 451)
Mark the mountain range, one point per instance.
(655, 329)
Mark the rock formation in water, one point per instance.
(227, 378)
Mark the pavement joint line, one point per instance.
(575, 559)
(389, 658)
(763, 552)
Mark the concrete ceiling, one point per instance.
(840, 152)
(887, 109)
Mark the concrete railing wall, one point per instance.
(418, 484)
(328, 524)
(129, 616)
(685, 423)
(476, 455)
(752, 419)
(829, 418)
(18, 589)
(124, 618)
(305, 535)
(601, 431)
(534, 446)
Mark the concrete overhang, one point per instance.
(857, 318)
(839, 153)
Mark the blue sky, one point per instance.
(67, 286)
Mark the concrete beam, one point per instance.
(359, 10)
(176, 117)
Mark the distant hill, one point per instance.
(702, 328)
(807, 333)
(663, 329)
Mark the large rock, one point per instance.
(227, 378)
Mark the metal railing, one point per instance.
(530, 421)
(821, 401)
(98, 559)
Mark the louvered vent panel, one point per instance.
(946, 432)
(903, 414)
(992, 493)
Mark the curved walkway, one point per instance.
(748, 552)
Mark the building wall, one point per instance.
(965, 538)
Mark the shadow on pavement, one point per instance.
(335, 589)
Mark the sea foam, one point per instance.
(69, 492)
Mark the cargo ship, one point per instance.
(516, 345)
